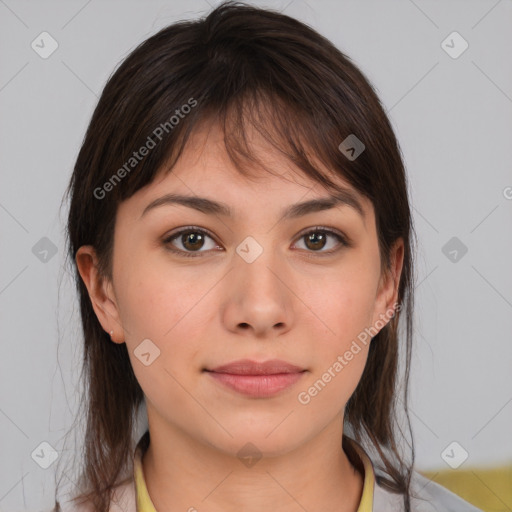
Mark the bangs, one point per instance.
(289, 131)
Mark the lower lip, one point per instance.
(257, 385)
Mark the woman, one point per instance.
(243, 242)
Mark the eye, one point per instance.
(318, 238)
(189, 241)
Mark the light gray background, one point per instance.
(453, 118)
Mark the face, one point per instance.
(193, 290)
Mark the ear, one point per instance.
(387, 294)
(101, 292)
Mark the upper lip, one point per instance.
(248, 367)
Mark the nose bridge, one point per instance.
(258, 298)
(257, 263)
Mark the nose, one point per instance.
(258, 298)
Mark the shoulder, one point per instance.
(123, 500)
(426, 496)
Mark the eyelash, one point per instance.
(344, 241)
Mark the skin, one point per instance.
(293, 302)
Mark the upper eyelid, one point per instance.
(187, 229)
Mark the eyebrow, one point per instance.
(344, 197)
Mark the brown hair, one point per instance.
(238, 65)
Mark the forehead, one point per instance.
(206, 172)
(205, 156)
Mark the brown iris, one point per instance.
(315, 240)
(192, 240)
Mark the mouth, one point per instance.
(248, 367)
(257, 379)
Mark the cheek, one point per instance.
(169, 308)
(342, 303)
(153, 298)
(337, 366)
(160, 310)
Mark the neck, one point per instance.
(181, 474)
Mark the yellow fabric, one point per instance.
(489, 489)
(366, 503)
(144, 503)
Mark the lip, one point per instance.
(249, 367)
(257, 379)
